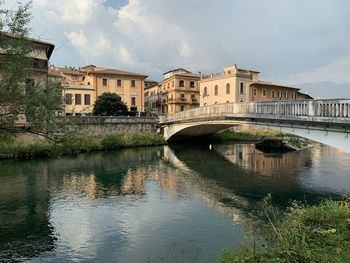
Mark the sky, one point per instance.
(292, 42)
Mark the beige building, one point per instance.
(180, 91)
(242, 85)
(152, 98)
(84, 85)
(39, 53)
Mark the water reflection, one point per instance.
(135, 204)
(25, 230)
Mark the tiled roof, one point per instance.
(116, 72)
(267, 83)
(71, 71)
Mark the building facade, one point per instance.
(84, 85)
(243, 85)
(38, 53)
(179, 91)
(152, 97)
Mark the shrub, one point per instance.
(319, 233)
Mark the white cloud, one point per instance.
(338, 71)
(72, 11)
(77, 39)
(153, 36)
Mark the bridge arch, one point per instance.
(325, 121)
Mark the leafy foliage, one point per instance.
(109, 104)
(35, 103)
(319, 233)
(71, 145)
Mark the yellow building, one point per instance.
(180, 91)
(84, 85)
(243, 85)
(152, 97)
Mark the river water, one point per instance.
(181, 203)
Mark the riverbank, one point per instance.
(319, 233)
(264, 139)
(20, 150)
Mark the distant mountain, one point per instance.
(326, 89)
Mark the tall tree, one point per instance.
(36, 102)
(109, 104)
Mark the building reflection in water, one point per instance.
(53, 201)
(265, 164)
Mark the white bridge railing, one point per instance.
(331, 108)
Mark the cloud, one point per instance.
(337, 71)
(284, 40)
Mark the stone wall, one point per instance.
(97, 126)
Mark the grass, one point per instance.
(247, 135)
(12, 149)
(318, 233)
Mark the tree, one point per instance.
(20, 97)
(109, 104)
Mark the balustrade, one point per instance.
(339, 108)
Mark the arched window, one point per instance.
(182, 83)
(216, 90)
(228, 88)
(241, 88)
(205, 91)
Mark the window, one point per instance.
(227, 101)
(168, 85)
(69, 99)
(216, 90)
(228, 88)
(193, 97)
(119, 82)
(254, 92)
(89, 83)
(133, 101)
(264, 92)
(229, 72)
(278, 94)
(87, 100)
(78, 114)
(104, 82)
(77, 99)
(182, 108)
(133, 83)
(173, 83)
(205, 91)
(182, 97)
(182, 83)
(241, 88)
(191, 84)
(68, 114)
(273, 94)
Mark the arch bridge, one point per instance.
(325, 121)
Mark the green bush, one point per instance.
(74, 145)
(319, 234)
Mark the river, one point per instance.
(182, 203)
